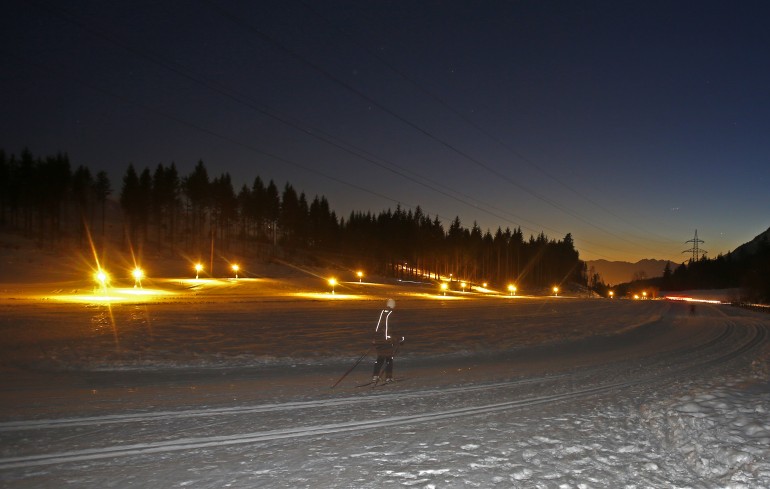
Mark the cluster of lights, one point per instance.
(199, 268)
(512, 289)
(103, 278)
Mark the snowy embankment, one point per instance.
(722, 432)
(226, 384)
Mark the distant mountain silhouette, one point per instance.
(619, 272)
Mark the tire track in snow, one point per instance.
(758, 334)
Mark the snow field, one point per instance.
(234, 391)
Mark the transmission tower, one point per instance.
(695, 250)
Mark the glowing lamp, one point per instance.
(360, 276)
(556, 291)
(332, 283)
(235, 268)
(138, 274)
(198, 270)
(512, 289)
(612, 294)
(102, 278)
(444, 286)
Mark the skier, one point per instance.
(384, 343)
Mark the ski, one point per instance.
(383, 384)
(374, 384)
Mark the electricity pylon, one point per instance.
(695, 250)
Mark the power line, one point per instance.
(282, 48)
(470, 121)
(313, 132)
(181, 71)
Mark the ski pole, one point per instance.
(351, 368)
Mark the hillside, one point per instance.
(618, 272)
(751, 247)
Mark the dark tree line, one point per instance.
(412, 243)
(284, 222)
(42, 196)
(197, 213)
(747, 270)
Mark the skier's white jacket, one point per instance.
(381, 332)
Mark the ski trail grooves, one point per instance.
(262, 408)
(332, 428)
(753, 337)
(10, 426)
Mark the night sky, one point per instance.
(628, 124)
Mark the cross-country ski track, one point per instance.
(40, 442)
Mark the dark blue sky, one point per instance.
(627, 124)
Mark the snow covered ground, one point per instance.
(226, 383)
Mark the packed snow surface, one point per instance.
(227, 383)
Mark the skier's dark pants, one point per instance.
(388, 366)
(384, 356)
